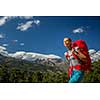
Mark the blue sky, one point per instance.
(44, 34)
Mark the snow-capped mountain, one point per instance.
(37, 58)
(32, 56)
(32, 61)
(49, 59)
(43, 58)
(95, 55)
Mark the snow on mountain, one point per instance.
(95, 55)
(3, 51)
(17, 54)
(92, 51)
(30, 56)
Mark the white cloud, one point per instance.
(26, 17)
(22, 44)
(78, 30)
(2, 35)
(21, 26)
(2, 48)
(3, 51)
(37, 22)
(5, 45)
(14, 41)
(4, 19)
(24, 27)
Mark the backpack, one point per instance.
(84, 49)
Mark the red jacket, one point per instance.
(79, 66)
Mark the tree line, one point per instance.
(17, 75)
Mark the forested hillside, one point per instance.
(22, 75)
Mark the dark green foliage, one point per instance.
(94, 75)
(17, 75)
(21, 71)
(24, 75)
(4, 74)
